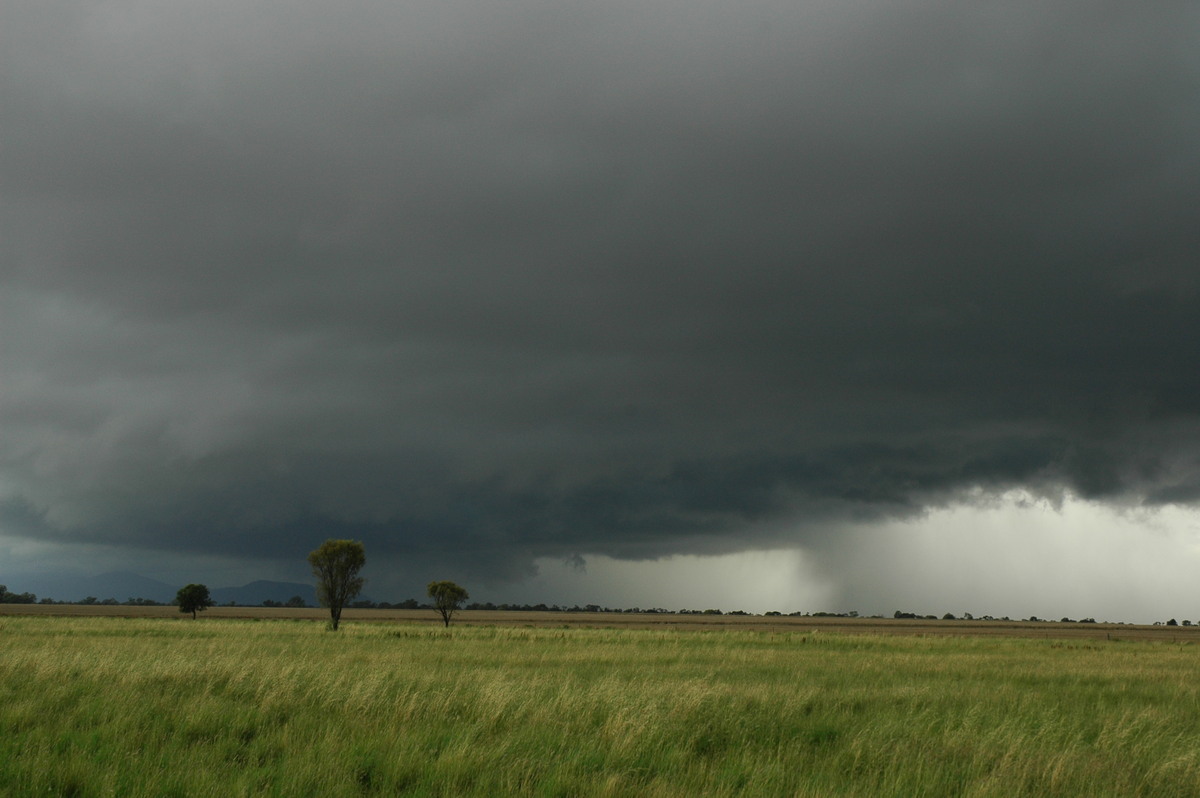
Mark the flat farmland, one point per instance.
(250, 702)
(623, 620)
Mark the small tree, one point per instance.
(336, 565)
(16, 598)
(193, 599)
(447, 597)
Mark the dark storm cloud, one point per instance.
(517, 280)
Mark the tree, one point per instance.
(193, 599)
(16, 598)
(336, 565)
(447, 597)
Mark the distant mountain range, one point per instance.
(261, 590)
(123, 585)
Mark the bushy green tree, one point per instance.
(336, 565)
(16, 598)
(193, 599)
(447, 597)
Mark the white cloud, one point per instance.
(1012, 555)
(1021, 556)
(755, 581)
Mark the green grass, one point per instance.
(155, 707)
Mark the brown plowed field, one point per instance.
(621, 620)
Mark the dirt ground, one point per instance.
(621, 620)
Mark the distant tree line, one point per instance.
(29, 598)
(294, 601)
(16, 598)
(7, 597)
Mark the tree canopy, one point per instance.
(336, 564)
(447, 597)
(193, 599)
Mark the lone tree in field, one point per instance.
(193, 599)
(447, 597)
(336, 565)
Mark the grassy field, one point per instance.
(160, 706)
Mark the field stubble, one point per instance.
(641, 620)
(232, 706)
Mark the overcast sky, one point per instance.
(823, 305)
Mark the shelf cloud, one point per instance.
(481, 285)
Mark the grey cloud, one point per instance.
(529, 281)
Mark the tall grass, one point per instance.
(150, 707)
